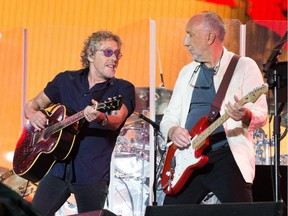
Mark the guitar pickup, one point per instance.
(173, 164)
(171, 172)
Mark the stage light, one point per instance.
(9, 156)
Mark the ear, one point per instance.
(90, 57)
(211, 38)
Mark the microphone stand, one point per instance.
(156, 134)
(271, 73)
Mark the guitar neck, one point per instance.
(201, 138)
(66, 122)
(71, 120)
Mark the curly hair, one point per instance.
(94, 41)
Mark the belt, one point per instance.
(218, 141)
(216, 147)
(215, 138)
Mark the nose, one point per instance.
(114, 57)
(186, 40)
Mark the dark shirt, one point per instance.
(90, 160)
(202, 98)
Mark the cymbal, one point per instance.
(136, 125)
(162, 98)
(134, 117)
(134, 122)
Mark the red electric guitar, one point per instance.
(179, 164)
(37, 151)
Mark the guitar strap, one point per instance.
(215, 106)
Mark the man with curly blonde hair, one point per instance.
(86, 171)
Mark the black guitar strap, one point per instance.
(215, 106)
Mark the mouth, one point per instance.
(111, 65)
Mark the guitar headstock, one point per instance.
(255, 94)
(110, 104)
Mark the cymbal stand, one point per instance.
(156, 134)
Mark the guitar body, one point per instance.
(36, 152)
(179, 164)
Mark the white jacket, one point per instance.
(245, 79)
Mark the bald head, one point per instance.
(208, 21)
(205, 33)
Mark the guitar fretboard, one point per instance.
(69, 121)
(200, 139)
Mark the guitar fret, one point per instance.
(66, 122)
(200, 139)
(77, 116)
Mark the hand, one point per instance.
(38, 120)
(238, 112)
(180, 137)
(90, 112)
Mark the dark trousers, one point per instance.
(52, 192)
(221, 176)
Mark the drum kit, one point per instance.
(264, 144)
(264, 148)
(131, 155)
